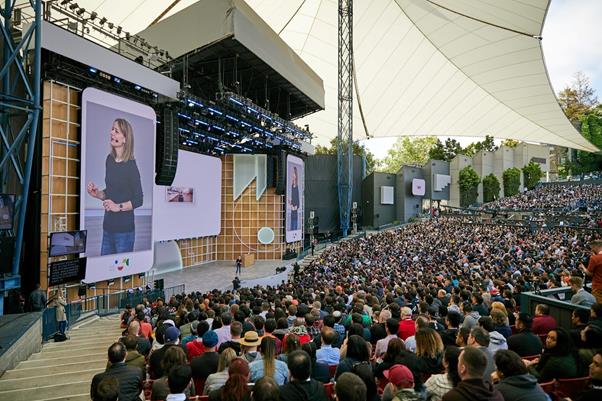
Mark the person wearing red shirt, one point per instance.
(594, 269)
(543, 322)
(407, 327)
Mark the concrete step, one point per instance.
(54, 379)
(82, 341)
(98, 364)
(52, 362)
(65, 352)
(75, 397)
(46, 392)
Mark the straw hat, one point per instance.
(250, 339)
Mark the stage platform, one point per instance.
(219, 274)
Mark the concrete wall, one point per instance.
(407, 204)
(374, 212)
(527, 152)
(504, 159)
(455, 165)
(483, 163)
(431, 168)
(27, 344)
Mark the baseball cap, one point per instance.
(400, 376)
(171, 334)
(210, 339)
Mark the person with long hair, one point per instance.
(357, 351)
(429, 348)
(439, 384)
(235, 388)
(558, 360)
(173, 356)
(122, 193)
(217, 380)
(268, 365)
(291, 343)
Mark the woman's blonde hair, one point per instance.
(428, 343)
(224, 359)
(499, 306)
(268, 353)
(128, 132)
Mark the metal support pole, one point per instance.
(345, 113)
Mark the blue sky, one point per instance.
(572, 41)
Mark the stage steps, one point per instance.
(63, 371)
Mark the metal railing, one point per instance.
(102, 305)
(557, 299)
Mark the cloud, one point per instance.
(572, 41)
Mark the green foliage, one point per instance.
(487, 145)
(446, 151)
(408, 151)
(510, 143)
(577, 99)
(531, 175)
(591, 129)
(469, 182)
(511, 181)
(358, 150)
(491, 188)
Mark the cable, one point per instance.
(291, 18)
(359, 101)
(172, 5)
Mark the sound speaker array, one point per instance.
(281, 173)
(168, 142)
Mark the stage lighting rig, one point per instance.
(93, 15)
(80, 11)
(64, 2)
(102, 21)
(73, 6)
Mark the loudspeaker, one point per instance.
(271, 171)
(7, 250)
(281, 173)
(168, 142)
(159, 284)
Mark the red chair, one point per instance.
(147, 388)
(199, 385)
(329, 390)
(571, 387)
(332, 370)
(548, 387)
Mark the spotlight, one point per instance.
(127, 36)
(102, 21)
(93, 15)
(80, 11)
(65, 2)
(73, 6)
(111, 25)
(119, 30)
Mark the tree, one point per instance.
(578, 98)
(510, 143)
(446, 151)
(591, 129)
(358, 150)
(531, 175)
(408, 151)
(511, 181)
(487, 145)
(469, 182)
(491, 188)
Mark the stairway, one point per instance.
(63, 371)
(309, 258)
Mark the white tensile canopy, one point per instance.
(423, 67)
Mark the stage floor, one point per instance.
(219, 274)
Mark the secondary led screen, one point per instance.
(295, 185)
(118, 158)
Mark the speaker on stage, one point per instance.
(281, 173)
(271, 171)
(7, 250)
(159, 284)
(168, 142)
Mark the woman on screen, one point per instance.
(122, 193)
(294, 201)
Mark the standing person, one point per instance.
(37, 299)
(594, 269)
(313, 247)
(238, 265)
(294, 201)
(123, 191)
(58, 302)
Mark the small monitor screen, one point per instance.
(67, 243)
(7, 210)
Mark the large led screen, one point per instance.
(118, 158)
(190, 206)
(295, 185)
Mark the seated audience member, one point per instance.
(496, 340)
(594, 392)
(143, 344)
(479, 339)
(364, 371)
(269, 327)
(234, 340)
(129, 377)
(133, 358)
(542, 322)
(500, 322)
(524, 342)
(268, 365)
(439, 384)
(206, 364)
(350, 388)
(319, 371)
(249, 345)
(401, 382)
(172, 339)
(378, 330)
(513, 380)
(357, 351)
(235, 388)
(266, 389)
(327, 354)
(420, 322)
(558, 360)
(179, 381)
(391, 326)
(581, 296)
(579, 320)
(174, 356)
(462, 337)
(107, 390)
(471, 367)
(216, 380)
(471, 317)
(301, 386)
(397, 355)
(407, 327)
(291, 343)
(429, 349)
(195, 347)
(452, 324)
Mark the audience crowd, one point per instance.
(430, 311)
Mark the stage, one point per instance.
(219, 274)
